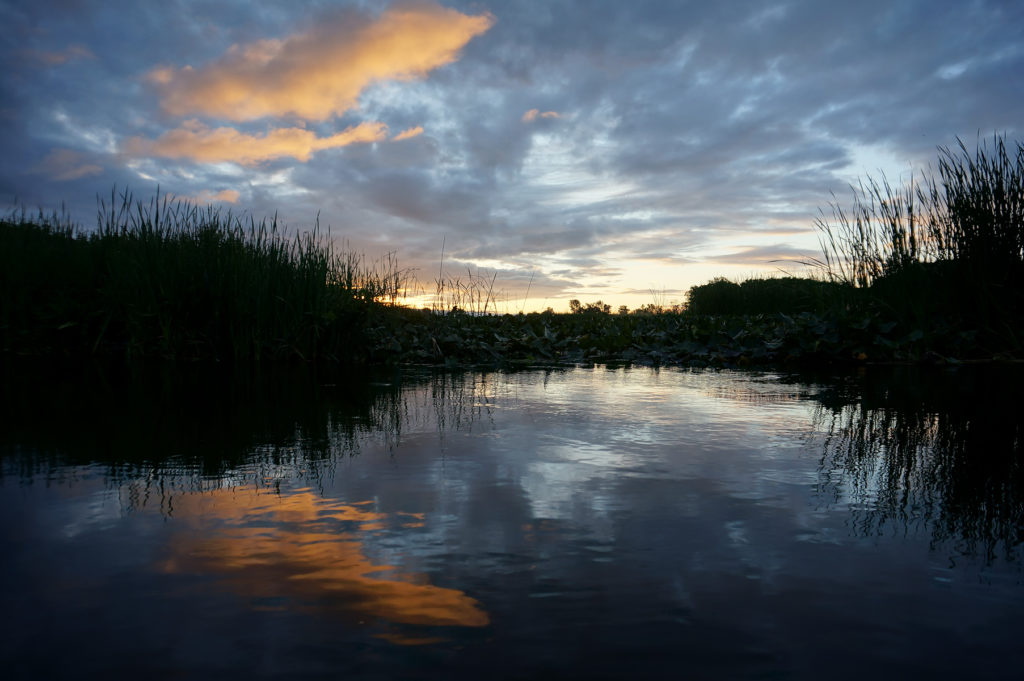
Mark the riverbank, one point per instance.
(928, 273)
(195, 286)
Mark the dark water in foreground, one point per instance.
(586, 523)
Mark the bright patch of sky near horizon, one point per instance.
(581, 149)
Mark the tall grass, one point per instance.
(475, 294)
(939, 245)
(972, 214)
(172, 279)
(883, 232)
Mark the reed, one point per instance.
(474, 294)
(169, 278)
(946, 243)
(972, 213)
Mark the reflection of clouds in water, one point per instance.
(92, 511)
(576, 514)
(483, 456)
(601, 426)
(311, 552)
(486, 454)
(554, 488)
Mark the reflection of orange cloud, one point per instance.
(406, 134)
(308, 549)
(533, 114)
(320, 73)
(199, 142)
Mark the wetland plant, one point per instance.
(971, 214)
(943, 246)
(169, 278)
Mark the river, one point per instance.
(590, 522)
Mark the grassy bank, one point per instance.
(930, 272)
(944, 248)
(171, 280)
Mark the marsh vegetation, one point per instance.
(930, 271)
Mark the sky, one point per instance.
(588, 149)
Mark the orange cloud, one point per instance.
(224, 196)
(320, 73)
(207, 196)
(67, 164)
(533, 114)
(406, 134)
(198, 142)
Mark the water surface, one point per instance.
(584, 523)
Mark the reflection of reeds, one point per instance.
(933, 456)
(166, 430)
(183, 424)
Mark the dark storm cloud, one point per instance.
(575, 140)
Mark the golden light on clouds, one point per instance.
(67, 164)
(196, 141)
(293, 546)
(319, 73)
(225, 196)
(406, 134)
(208, 196)
(534, 114)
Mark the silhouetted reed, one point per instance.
(973, 214)
(939, 244)
(172, 279)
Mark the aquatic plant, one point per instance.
(973, 214)
(172, 279)
(939, 246)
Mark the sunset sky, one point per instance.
(587, 149)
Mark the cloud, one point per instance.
(700, 134)
(406, 134)
(207, 196)
(764, 256)
(198, 142)
(66, 164)
(533, 114)
(58, 57)
(320, 73)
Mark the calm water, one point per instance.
(584, 523)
